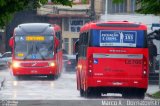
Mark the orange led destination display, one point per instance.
(34, 38)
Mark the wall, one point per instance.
(139, 18)
(69, 35)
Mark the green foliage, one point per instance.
(156, 95)
(117, 1)
(9, 7)
(146, 6)
(149, 7)
(84, 1)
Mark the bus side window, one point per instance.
(85, 43)
(145, 39)
(80, 45)
(58, 35)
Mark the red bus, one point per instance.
(112, 58)
(37, 50)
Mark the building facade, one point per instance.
(71, 19)
(125, 11)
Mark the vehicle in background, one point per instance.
(157, 63)
(0, 54)
(70, 63)
(6, 59)
(113, 58)
(37, 50)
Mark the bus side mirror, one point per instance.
(11, 42)
(56, 43)
(76, 46)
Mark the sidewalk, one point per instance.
(2, 79)
(152, 89)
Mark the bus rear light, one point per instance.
(145, 67)
(90, 71)
(90, 61)
(90, 66)
(144, 73)
(144, 62)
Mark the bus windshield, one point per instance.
(34, 47)
(118, 38)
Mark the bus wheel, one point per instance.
(21, 77)
(127, 95)
(88, 93)
(51, 77)
(81, 92)
(140, 94)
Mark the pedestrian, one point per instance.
(152, 55)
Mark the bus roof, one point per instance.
(35, 28)
(56, 27)
(113, 25)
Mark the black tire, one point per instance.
(140, 94)
(51, 77)
(81, 92)
(128, 94)
(88, 93)
(134, 94)
(18, 77)
(57, 75)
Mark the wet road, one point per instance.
(41, 88)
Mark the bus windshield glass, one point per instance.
(34, 47)
(118, 38)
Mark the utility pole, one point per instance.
(92, 11)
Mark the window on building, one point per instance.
(123, 7)
(117, 8)
(76, 24)
(133, 6)
(66, 24)
(66, 44)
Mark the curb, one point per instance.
(2, 80)
(149, 95)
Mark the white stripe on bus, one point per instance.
(125, 56)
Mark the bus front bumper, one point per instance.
(34, 71)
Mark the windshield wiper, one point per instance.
(40, 53)
(29, 52)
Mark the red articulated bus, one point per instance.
(37, 50)
(112, 58)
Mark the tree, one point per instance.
(9, 7)
(149, 7)
(146, 6)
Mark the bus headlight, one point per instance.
(52, 64)
(16, 64)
